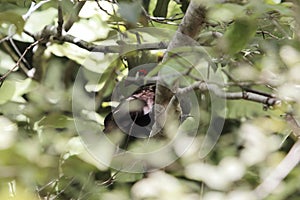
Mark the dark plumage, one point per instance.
(134, 116)
(133, 113)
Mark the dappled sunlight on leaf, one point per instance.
(217, 177)
(34, 23)
(71, 51)
(8, 133)
(13, 90)
(159, 185)
(75, 147)
(246, 73)
(84, 29)
(257, 145)
(293, 74)
(289, 92)
(90, 9)
(6, 62)
(225, 12)
(289, 55)
(270, 124)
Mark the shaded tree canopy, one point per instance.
(225, 111)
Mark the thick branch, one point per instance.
(190, 26)
(188, 29)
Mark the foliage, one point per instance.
(254, 45)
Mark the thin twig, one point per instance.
(5, 38)
(33, 7)
(80, 195)
(73, 15)
(218, 89)
(245, 87)
(267, 33)
(29, 34)
(14, 53)
(62, 191)
(281, 29)
(47, 185)
(101, 8)
(110, 48)
(19, 54)
(60, 21)
(110, 180)
(162, 20)
(267, 99)
(51, 32)
(4, 76)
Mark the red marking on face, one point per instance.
(143, 72)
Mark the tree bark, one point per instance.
(188, 29)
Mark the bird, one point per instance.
(134, 116)
(134, 113)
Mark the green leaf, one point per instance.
(55, 120)
(18, 3)
(239, 35)
(23, 87)
(12, 18)
(128, 177)
(242, 108)
(283, 9)
(8, 133)
(12, 90)
(272, 2)
(39, 19)
(130, 11)
(86, 29)
(7, 91)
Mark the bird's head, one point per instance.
(137, 75)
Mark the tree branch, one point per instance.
(19, 61)
(33, 7)
(51, 33)
(290, 161)
(265, 99)
(189, 27)
(111, 48)
(60, 21)
(16, 49)
(101, 8)
(73, 17)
